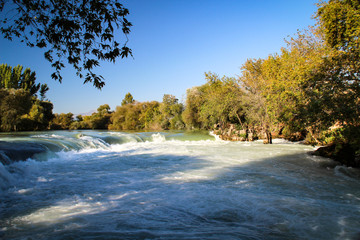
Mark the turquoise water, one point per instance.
(171, 185)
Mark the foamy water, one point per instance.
(112, 185)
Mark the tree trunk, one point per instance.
(313, 136)
(268, 137)
(238, 117)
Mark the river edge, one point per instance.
(343, 153)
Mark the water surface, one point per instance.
(171, 185)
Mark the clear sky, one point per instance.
(174, 42)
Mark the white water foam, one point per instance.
(55, 136)
(62, 211)
(158, 138)
(180, 190)
(217, 137)
(92, 142)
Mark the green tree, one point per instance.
(219, 101)
(171, 111)
(150, 115)
(5, 75)
(222, 101)
(339, 22)
(194, 101)
(15, 77)
(127, 117)
(38, 117)
(128, 99)
(25, 111)
(81, 122)
(101, 119)
(62, 121)
(43, 90)
(78, 32)
(332, 90)
(79, 118)
(255, 84)
(13, 105)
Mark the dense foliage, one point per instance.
(133, 115)
(20, 109)
(217, 101)
(310, 89)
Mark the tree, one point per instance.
(150, 115)
(43, 89)
(101, 119)
(333, 88)
(127, 117)
(13, 105)
(194, 101)
(21, 109)
(61, 121)
(218, 101)
(128, 99)
(38, 117)
(79, 32)
(15, 77)
(255, 83)
(339, 21)
(171, 110)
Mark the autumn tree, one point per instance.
(339, 22)
(80, 33)
(333, 90)
(255, 82)
(337, 82)
(128, 99)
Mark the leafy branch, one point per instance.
(79, 32)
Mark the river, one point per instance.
(171, 185)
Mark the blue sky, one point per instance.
(174, 42)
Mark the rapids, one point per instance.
(170, 185)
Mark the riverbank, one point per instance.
(343, 153)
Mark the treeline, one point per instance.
(307, 91)
(310, 90)
(131, 115)
(23, 107)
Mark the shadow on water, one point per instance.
(182, 197)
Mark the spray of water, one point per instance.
(112, 185)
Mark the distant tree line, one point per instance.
(131, 115)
